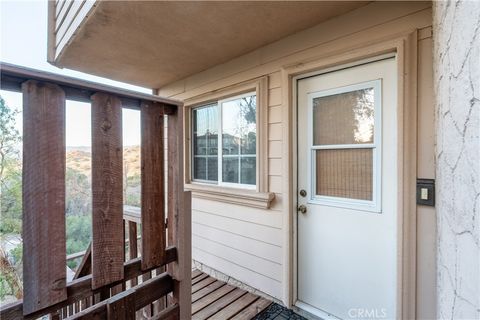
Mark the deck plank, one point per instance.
(219, 304)
(234, 308)
(202, 284)
(211, 297)
(196, 273)
(199, 278)
(203, 292)
(252, 310)
(214, 299)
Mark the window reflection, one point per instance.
(205, 143)
(238, 143)
(239, 138)
(346, 118)
(339, 122)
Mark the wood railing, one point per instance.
(131, 219)
(108, 284)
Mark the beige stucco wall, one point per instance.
(457, 86)
(250, 244)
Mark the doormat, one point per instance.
(278, 312)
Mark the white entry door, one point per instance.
(347, 192)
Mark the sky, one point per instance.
(23, 41)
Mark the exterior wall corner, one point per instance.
(456, 27)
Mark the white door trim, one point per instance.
(404, 46)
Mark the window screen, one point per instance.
(343, 143)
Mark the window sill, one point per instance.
(244, 197)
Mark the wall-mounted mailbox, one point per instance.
(426, 192)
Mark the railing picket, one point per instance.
(121, 307)
(161, 303)
(107, 194)
(44, 248)
(99, 288)
(170, 313)
(132, 246)
(153, 192)
(147, 310)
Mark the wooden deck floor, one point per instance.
(214, 299)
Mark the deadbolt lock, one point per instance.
(302, 208)
(303, 193)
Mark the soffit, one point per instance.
(155, 43)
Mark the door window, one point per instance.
(345, 142)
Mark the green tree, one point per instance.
(10, 171)
(9, 135)
(79, 234)
(10, 200)
(78, 193)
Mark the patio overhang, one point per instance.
(151, 44)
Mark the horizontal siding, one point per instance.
(275, 114)
(275, 80)
(251, 262)
(275, 183)
(275, 167)
(249, 277)
(275, 149)
(275, 139)
(269, 252)
(61, 9)
(275, 131)
(69, 16)
(244, 243)
(274, 97)
(237, 212)
(250, 230)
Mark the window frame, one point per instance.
(220, 181)
(258, 197)
(375, 204)
(219, 105)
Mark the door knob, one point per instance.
(302, 208)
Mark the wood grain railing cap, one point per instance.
(12, 76)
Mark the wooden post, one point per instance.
(153, 182)
(44, 249)
(179, 216)
(107, 194)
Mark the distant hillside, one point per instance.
(79, 158)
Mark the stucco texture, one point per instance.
(457, 86)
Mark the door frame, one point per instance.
(404, 48)
(377, 158)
